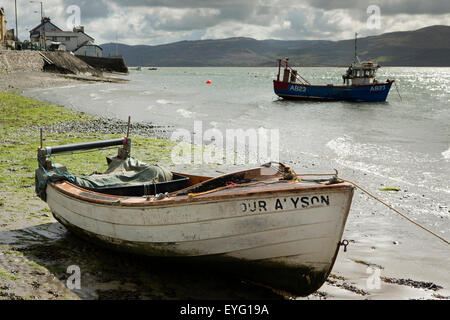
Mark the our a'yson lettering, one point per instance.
(302, 202)
(288, 203)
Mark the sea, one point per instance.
(403, 142)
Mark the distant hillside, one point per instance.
(429, 46)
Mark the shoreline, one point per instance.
(348, 279)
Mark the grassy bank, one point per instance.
(19, 130)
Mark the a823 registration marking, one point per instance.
(284, 203)
(298, 88)
(378, 88)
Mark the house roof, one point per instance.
(45, 23)
(50, 27)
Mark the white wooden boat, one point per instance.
(261, 223)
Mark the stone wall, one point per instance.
(106, 64)
(11, 60)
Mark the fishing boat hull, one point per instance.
(286, 237)
(376, 92)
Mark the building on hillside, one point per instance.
(72, 40)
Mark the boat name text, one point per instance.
(378, 88)
(288, 203)
(298, 88)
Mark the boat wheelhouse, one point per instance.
(361, 73)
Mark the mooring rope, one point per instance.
(395, 210)
(376, 198)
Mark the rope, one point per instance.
(395, 83)
(396, 211)
(298, 76)
(67, 176)
(378, 199)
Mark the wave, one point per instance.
(163, 101)
(446, 154)
(185, 113)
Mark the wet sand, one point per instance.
(36, 251)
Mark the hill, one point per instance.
(428, 46)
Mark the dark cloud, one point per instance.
(388, 7)
(185, 4)
(90, 9)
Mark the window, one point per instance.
(53, 38)
(67, 38)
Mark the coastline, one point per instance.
(35, 241)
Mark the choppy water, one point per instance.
(403, 142)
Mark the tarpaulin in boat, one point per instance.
(120, 172)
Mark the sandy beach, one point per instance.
(35, 250)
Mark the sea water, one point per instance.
(403, 142)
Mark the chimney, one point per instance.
(78, 29)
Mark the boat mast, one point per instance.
(356, 37)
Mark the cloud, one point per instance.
(163, 21)
(388, 7)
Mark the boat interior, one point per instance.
(184, 184)
(129, 177)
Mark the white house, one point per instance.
(73, 40)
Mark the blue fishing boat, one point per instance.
(359, 84)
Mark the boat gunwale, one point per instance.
(125, 201)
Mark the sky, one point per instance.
(154, 22)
